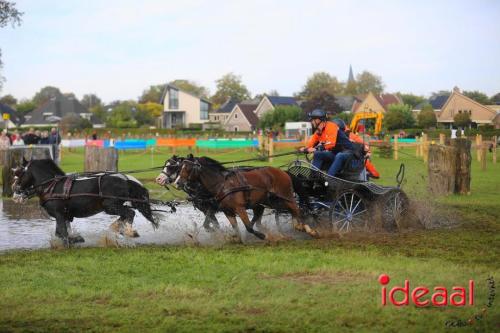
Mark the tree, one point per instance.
(147, 113)
(9, 100)
(495, 99)
(25, 106)
(345, 116)
(122, 116)
(411, 99)
(272, 92)
(477, 96)
(399, 116)
(72, 121)
(230, 85)
(440, 93)
(276, 119)
(426, 118)
(90, 100)
(8, 14)
(99, 112)
(320, 83)
(45, 94)
(323, 100)
(368, 82)
(190, 87)
(462, 119)
(152, 94)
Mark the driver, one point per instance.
(328, 144)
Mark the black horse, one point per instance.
(65, 197)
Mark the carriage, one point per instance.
(346, 202)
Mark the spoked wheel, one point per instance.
(395, 205)
(349, 212)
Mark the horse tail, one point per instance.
(137, 191)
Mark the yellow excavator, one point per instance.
(378, 116)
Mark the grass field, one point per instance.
(327, 285)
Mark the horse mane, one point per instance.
(50, 165)
(211, 163)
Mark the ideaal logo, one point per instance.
(458, 296)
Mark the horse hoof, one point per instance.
(311, 232)
(76, 239)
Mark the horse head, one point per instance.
(23, 181)
(170, 171)
(189, 171)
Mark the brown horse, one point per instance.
(237, 191)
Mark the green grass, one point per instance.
(327, 285)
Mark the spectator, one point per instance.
(31, 138)
(18, 141)
(4, 140)
(94, 135)
(44, 139)
(55, 140)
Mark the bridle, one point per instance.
(28, 192)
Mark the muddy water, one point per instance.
(27, 226)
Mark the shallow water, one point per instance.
(27, 226)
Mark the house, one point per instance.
(242, 118)
(9, 117)
(459, 103)
(183, 109)
(374, 103)
(52, 111)
(270, 102)
(345, 102)
(221, 114)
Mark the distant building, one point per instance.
(183, 109)
(242, 118)
(458, 103)
(8, 117)
(374, 103)
(268, 103)
(56, 108)
(221, 114)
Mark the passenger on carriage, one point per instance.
(328, 143)
(370, 168)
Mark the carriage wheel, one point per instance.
(349, 212)
(394, 206)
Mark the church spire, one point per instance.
(351, 75)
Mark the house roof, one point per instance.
(383, 99)
(227, 107)
(248, 112)
(282, 100)
(57, 107)
(4, 108)
(169, 85)
(437, 102)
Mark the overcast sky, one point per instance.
(117, 48)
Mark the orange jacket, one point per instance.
(371, 169)
(328, 136)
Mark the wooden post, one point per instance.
(442, 169)
(494, 149)
(442, 138)
(395, 147)
(463, 165)
(425, 148)
(483, 157)
(101, 159)
(271, 149)
(417, 151)
(479, 145)
(449, 167)
(13, 158)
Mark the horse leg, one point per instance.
(114, 207)
(234, 224)
(73, 238)
(257, 216)
(210, 219)
(242, 213)
(61, 229)
(291, 206)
